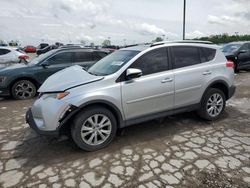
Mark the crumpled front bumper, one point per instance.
(33, 125)
(46, 114)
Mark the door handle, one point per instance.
(167, 80)
(208, 72)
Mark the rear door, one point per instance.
(190, 73)
(55, 63)
(153, 92)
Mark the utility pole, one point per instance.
(184, 19)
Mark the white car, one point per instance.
(12, 55)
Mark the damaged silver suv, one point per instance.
(130, 86)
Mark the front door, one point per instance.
(244, 58)
(153, 92)
(54, 64)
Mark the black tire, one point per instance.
(82, 118)
(203, 111)
(28, 91)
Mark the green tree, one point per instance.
(106, 42)
(225, 38)
(158, 39)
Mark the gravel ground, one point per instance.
(179, 151)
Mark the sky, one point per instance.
(121, 21)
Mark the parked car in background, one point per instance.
(41, 46)
(111, 48)
(130, 86)
(22, 80)
(30, 49)
(46, 49)
(239, 53)
(12, 55)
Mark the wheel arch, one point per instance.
(219, 84)
(73, 111)
(34, 81)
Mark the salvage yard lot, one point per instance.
(179, 151)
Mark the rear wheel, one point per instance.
(23, 89)
(94, 128)
(212, 104)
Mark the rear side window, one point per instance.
(99, 55)
(185, 56)
(83, 56)
(152, 62)
(207, 54)
(4, 51)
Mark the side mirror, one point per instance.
(242, 51)
(45, 64)
(133, 73)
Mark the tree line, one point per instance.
(224, 38)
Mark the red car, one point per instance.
(30, 49)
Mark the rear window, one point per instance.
(207, 54)
(4, 51)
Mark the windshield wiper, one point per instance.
(92, 73)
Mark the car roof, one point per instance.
(6, 47)
(239, 42)
(80, 49)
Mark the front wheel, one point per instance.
(23, 89)
(94, 128)
(212, 104)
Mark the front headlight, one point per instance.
(58, 96)
(2, 79)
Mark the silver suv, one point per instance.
(130, 86)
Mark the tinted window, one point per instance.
(152, 62)
(4, 51)
(99, 55)
(244, 47)
(83, 56)
(62, 58)
(185, 56)
(207, 54)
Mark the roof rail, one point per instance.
(181, 41)
(132, 45)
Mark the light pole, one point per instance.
(184, 19)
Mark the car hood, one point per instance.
(73, 76)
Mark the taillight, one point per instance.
(230, 64)
(23, 57)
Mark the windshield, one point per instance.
(112, 63)
(231, 48)
(41, 57)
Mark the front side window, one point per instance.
(112, 63)
(185, 56)
(152, 62)
(83, 56)
(61, 58)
